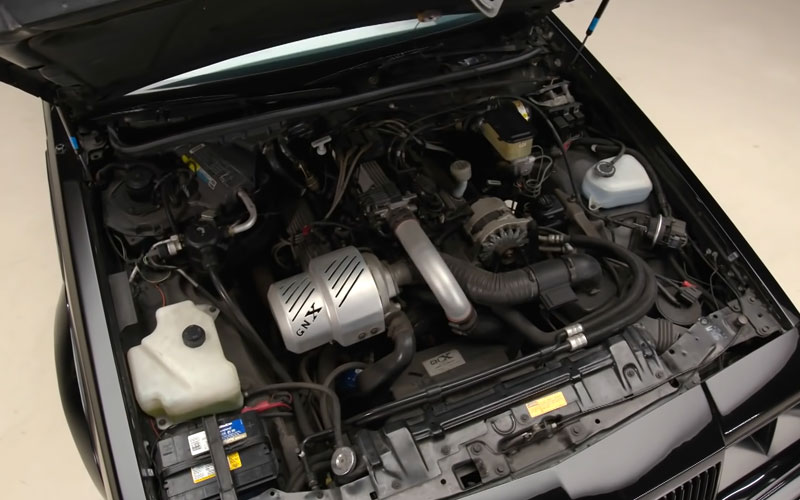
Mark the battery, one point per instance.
(185, 466)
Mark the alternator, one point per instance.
(495, 229)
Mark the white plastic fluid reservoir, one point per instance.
(179, 371)
(624, 183)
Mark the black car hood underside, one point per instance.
(82, 52)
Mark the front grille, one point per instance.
(701, 487)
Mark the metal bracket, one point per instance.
(489, 8)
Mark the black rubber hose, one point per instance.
(247, 328)
(301, 416)
(636, 303)
(329, 380)
(522, 285)
(523, 325)
(602, 323)
(386, 369)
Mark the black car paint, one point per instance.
(693, 428)
(768, 478)
(99, 375)
(69, 389)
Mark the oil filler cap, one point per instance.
(194, 336)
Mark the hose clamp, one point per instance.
(575, 336)
(573, 273)
(657, 232)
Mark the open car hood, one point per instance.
(79, 53)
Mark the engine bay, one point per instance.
(421, 295)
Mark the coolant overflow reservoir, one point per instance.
(179, 371)
(624, 183)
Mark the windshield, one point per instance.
(311, 50)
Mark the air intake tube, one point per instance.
(525, 284)
(432, 268)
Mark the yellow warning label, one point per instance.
(206, 471)
(546, 404)
(234, 461)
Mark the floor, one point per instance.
(719, 78)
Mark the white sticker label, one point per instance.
(203, 472)
(444, 362)
(207, 471)
(198, 443)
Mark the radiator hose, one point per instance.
(386, 369)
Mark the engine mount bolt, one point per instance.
(524, 417)
(764, 329)
(703, 321)
(374, 331)
(500, 469)
(396, 484)
(741, 320)
(476, 448)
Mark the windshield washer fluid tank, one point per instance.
(180, 371)
(624, 183)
